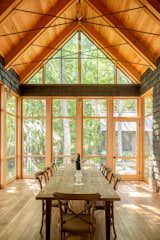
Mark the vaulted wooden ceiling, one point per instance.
(128, 31)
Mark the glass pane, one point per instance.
(94, 136)
(95, 107)
(33, 107)
(11, 168)
(126, 166)
(64, 136)
(105, 69)
(122, 78)
(33, 164)
(89, 63)
(61, 161)
(34, 132)
(148, 105)
(11, 104)
(125, 107)
(11, 135)
(148, 147)
(63, 107)
(36, 79)
(126, 138)
(96, 161)
(96, 68)
(70, 61)
(53, 69)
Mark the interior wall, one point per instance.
(151, 79)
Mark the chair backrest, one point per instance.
(101, 167)
(107, 172)
(49, 172)
(41, 177)
(53, 166)
(115, 180)
(89, 205)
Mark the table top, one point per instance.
(92, 179)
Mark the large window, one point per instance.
(34, 134)
(64, 130)
(10, 136)
(79, 61)
(148, 137)
(94, 130)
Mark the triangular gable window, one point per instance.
(79, 61)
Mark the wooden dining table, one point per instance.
(92, 182)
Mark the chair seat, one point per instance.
(76, 225)
(55, 203)
(100, 205)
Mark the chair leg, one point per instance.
(112, 219)
(43, 214)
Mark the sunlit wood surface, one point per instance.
(137, 214)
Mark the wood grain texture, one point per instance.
(137, 215)
(94, 182)
(80, 90)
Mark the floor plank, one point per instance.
(137, 215)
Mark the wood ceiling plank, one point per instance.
(6, 7)
(144, 53)
(47, 52)
(153, 6)
(30, 37)
(102, 42)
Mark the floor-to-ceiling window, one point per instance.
(64, 130)
(94, 130)
(10, 136)
(125, 113)
(34, 135)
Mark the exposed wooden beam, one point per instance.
(102, 42)
(144, 53)
(80, 90)
(47, 52)
(57, 9)
(153, 6)
(6, 7)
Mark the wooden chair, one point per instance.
(107, 172)
(73, 223)
(53, 166)
(48, 172)
(43, 178)
(114, 180)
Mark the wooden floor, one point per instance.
(137, 216)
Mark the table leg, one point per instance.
(107, 219)
(48, 218)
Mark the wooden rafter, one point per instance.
(29, 38)
(153, 6)
(6, 7)
(47, 52)
(144, 53)
(102, 41)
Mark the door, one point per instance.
(125, 148)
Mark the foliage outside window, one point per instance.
(34, 134)
(94, 130)
(10, 136)
(79, 61)
(64, 130)
(125, 107)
